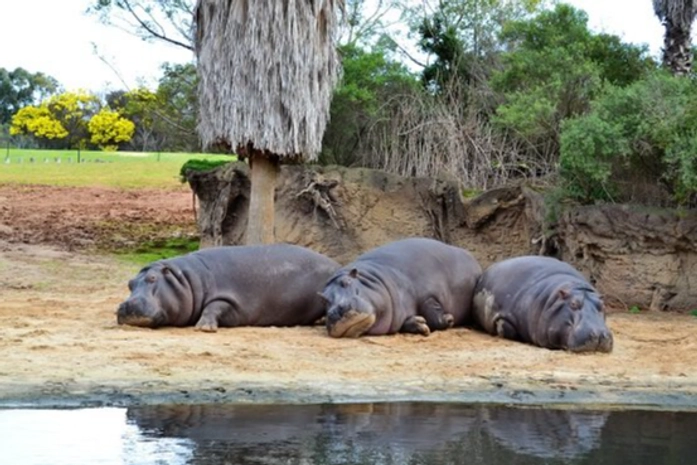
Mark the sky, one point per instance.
(56, 37)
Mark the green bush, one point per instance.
(646, 132)
(552, 68)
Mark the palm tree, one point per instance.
(267, 69)
(677, 17)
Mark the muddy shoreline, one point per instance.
(59, 395)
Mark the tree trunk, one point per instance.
(260, 226)
(677, 49)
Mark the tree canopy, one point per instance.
(19, 88)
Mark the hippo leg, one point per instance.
(505, 328)
(216, 314)
(436, 318)
(415, 324)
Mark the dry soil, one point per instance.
(60, 344)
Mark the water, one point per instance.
(399, 433)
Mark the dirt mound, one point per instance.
(636, 257)
(343, 212)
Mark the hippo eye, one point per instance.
(150, 278)
(575, 304)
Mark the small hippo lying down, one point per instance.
(263, 285)
(413, 285)
(542, 301)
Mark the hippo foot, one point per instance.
(416, 325)
(448, 320)
(206, 326)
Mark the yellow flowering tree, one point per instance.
(37, 121)
(108, 129)
(62, 117)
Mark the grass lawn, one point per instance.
(105, 169)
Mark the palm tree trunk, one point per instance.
(260, 225)
(677, 49)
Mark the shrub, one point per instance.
(642, 137)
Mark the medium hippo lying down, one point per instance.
(542, 301)
(263, 285)
(414, 285)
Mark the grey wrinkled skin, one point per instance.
(542, 301)
(263, 285)
(413, 285)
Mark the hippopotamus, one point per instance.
(260, 285)
(541, 301)
(415, 285)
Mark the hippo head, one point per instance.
(350, 312)
(576, 322)
(159, 293)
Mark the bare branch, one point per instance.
(151, 31)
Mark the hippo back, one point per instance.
(274, 284)
(418, 268)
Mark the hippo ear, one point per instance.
(564, 293)
(353, 273)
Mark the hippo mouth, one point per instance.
(137, 320)
(352, 324)
(602, 343)
(130, 314)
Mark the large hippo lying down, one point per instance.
(264, 285)
(542, 301)
(414, 285)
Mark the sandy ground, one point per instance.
(60, 344)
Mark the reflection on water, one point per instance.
(399, 433)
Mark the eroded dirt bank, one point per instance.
(60, 344)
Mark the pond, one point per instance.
(385, 433)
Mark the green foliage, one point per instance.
(694, 312)
(460, 38)
(442, 41)
(20, 88)
(200, 165)
(620, 63)
(176, 115)
(634, 310)
(552, 70)
(369, 85)
(647, 131)
(108, 129)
